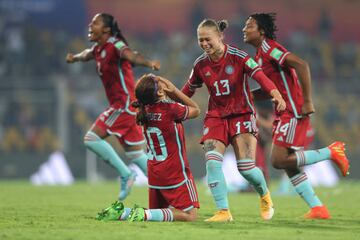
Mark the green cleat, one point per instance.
(111, 213)
(137, 214)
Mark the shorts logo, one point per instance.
(206, 131)
(229, 69)
(102, 118)
(280, 139)
(103, 54)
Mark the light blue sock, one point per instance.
(125, 214)
(104, 150)
(312, 156)
(139, 158)
(304, 189)
(159, 215)
(216, 179)
(253, 174)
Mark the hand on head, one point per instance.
(168, 86)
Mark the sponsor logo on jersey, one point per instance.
(229, 69)
(276, 53)
(103, 54)
(251, 63)
(206, 131)
(207, 74)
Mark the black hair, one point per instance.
(266, 22)
(146, 93)
(219, 25)
(110, 21)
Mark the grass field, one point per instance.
(29, 212)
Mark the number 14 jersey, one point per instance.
(168, 166)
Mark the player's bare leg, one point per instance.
(245, 148)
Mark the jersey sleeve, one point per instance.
(120, 47)
(277, 53)
(178, 112)
(250, 66)
(193, 83)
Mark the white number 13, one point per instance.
(224, 87)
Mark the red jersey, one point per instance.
(116, 73)
(271, 57)
(226, 81)
(168, 166)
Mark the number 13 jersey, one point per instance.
(226, 81)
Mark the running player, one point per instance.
(230, 118)
(172, 191)
(113, 62)
(290, 126)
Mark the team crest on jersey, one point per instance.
(229, 69)
(206, 131)
(103, 54)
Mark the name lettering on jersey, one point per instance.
(276, 53)
(229, 69)
(103, 54)
(154, 116)
(251, 63)
(207, 74)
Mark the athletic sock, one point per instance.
(253, 174)
(139, 158)
(312, 156)
(159, 215)
(304, 189)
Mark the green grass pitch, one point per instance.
(30, 212)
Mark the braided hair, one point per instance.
(110, 22)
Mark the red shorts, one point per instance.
(183, 198)
(224, 129)
(290, 132)
(122, 124)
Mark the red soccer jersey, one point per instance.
(271, 57)
(168, 166)
(226, 81)
(116, 73)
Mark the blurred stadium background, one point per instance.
(46, 104)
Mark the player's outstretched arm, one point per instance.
(303, 71)
(175, 94)
(137, 59)
(84, 56)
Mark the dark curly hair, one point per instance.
(266, 22)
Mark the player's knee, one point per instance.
(90, 138)
(277, 163)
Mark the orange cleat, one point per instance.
(338, 156)
(221, 216)
(319, 212)
(266, 207)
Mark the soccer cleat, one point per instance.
(338, 156)
(221, 216)
(266, 207)
(126, 184)
(111, 213)
(319, 212)
(137, 214)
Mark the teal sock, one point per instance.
(312, 156)
(159, 215)
(216, 179)
(304, 189)
(253, 174)
(139, 158)
(125, 214)
(104, 150)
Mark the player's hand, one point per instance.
(70, 58)
(307, 108)
(155, 65)
(168, 86)
(278, 100)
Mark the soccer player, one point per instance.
(172, 191)
(230, 118)
(114, 60)
(292, 77)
